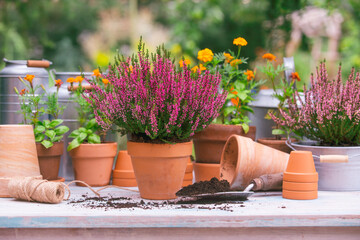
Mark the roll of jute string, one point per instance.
(36, 189)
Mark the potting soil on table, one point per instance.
(203, 187)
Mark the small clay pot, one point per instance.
(124, 182)
(277, 144)
(301, 162)
(93, 163)
(301, 177)
(49, 160)
(123, 174)
(159, 168)
(186, 183)
(295, 186)
(300, 195)
(206, 171)
(188, 176)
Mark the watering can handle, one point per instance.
(267, 182)
(38, 63)
(334, 158)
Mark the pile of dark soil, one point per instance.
(212, 186)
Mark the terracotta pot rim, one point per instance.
(123, 171)
(15, 125)
(301, 177)
(299, 144)
(150, 150)
(206, 164)
(300, 195)
(296, 186)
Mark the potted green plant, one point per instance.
(92, 157)
(241, 86)
(48, 133)
(160, 106)
(328, 120)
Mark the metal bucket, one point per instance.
(9, 101)
(343, 174)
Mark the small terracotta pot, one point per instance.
(301, 162)
(277, 144)
(295, 186)
(301, 177)
(188, 176)
(159, 168)
(186, 183)
(209, 143)
(93, 163)
(206, 171)
(243, 160)
(124, 182)
(300, 195)
(49, 160)
(123, 174)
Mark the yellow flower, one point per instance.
(199, 68)
(70, 80)
(240, 41)
(205, 55)
(96, 73)
(131, 68)
(29, 78)
(228, 57)
(182, 62)
(105, 81)
(250, 75)
(269, 57)
(235, 62)
(79, 79)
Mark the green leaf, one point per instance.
(82, 129)
(56, 122)
(61, 130)
(82, 137)
(92, 123)
(39, 137)
(74, 133)
(74, 144)
(245, 127)
(277, 132)
(58, 138)
(46, 123)
(94, 138)
(51, 134)
(228, 110)
(242, 95)
(39, 129)
(47, 143)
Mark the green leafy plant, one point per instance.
(47, 132)
(86, 134)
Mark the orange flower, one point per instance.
(199, 68)
(131, 68)
(105, 81)
(79, 79)
(235, 101)
(58, 83)
(182, 62)
(269, 57)
(96, 73)
(295, 76)
(240, 41)
(23, 91)
(70, 80)
(250, 74)
(29, 78)
(228, 57)
(205, 55)
(235, 62)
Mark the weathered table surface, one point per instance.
(333, 214)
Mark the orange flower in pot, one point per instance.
(160, 106)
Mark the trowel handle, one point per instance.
(267, 182)
(38, 63)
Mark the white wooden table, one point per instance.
(334, 215)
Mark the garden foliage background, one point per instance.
(87, 33)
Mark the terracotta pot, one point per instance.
(187, 183)
(188, 178)
(301, 177)
(277, 144)
(18, 155)
(49, 160)
(123, 174)
(243, 160)
(299, 195)
(206, 171)
(93, 163)
(159, 168)
(210, 142)
(295, 186)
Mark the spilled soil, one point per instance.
(212, 186)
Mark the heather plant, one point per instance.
(151, 99)
(330, 113)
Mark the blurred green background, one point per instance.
(87, 33)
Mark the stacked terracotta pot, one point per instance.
(123, 174)
(300, 178)
(188, 178)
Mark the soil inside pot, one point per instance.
(143, 138)
(212, 186)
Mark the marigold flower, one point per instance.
(240, 41)
(105, 81)
(131, 68)
(235, 62)
(205, 55)
(234, 101)
(29, 78)
(70, 80)
(199, 68)
(58, 83)
(23, 91)
(79, 79)
(269, 57)
(250, 74)
(96, 73)
(228, 57)
(186, 62)
(295, 76)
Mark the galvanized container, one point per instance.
(9, 101)
(335, 176)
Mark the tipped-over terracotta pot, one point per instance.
(277, 144)
(49, 160)
(18, 155)
(243, 160)
(93, 163)
(123, 174)
(206, 171)
(159, 168)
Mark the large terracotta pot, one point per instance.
(210, 142)
(93, 163)
(49, 160)
(159, 168)
(18, 155)
(277, 144)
